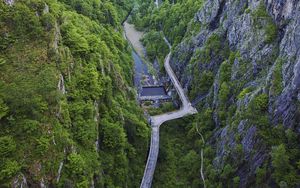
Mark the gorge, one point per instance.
(224, 75)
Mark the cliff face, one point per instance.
(68, 111)
(251, 50)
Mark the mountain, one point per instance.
(239, 63)
(69, 114)
(68, 110)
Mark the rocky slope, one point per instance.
(246, 60)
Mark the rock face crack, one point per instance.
(215, 22)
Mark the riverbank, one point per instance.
(134, 36)
(144, 69)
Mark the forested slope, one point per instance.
(68, 114)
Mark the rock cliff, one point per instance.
(245, 50)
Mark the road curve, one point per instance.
(156, 121)
(186, 109)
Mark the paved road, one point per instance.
(156, 121)
(152, 158)
(186, 109)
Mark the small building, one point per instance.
(154, 93)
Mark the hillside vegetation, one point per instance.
(68, 112)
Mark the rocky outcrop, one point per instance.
(10, 2)
(281, 10)
(246, 26)
(286, 107)
(61, 84)
(20, 181)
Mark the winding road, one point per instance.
(185, 110)
(156, 121)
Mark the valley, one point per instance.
(149, 93)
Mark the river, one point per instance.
(142, 74)
(156, 121)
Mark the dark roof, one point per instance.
(153, 91)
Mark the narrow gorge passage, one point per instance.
(158, 120)
(85, 86)
(186, 109)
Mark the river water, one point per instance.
(142, 76)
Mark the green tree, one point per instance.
(224, 93)
(236, 181)
(26, 21)
(7, 146)
(113, 136)
(227, 171)
(8, 169)
(261, 176)
(283, 173)
(225, 72)
(3, 109)
(75, 165)
(191, 164)
(226, 175)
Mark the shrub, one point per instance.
(260, 176)
(227, 172)
(3, 109)
(75, 165)
(260, 103)
(148, 103)
(284, 173)
(236, 181)
(260, 12)
(277, 78)
(270, 29)
(232, 57)
(244, 92)
(7, 146)
(271, 32)
(248, 10)
(224, 92)
(257, 111)
(222, 116)
(26, 22)
(201, 83)
(9, 170)
(48, 21)
(225, 72)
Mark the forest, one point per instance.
(68, 112)
(69, 115)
